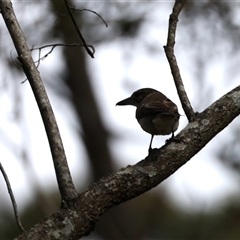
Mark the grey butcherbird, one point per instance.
(155, 113)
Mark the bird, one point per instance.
(156, 114)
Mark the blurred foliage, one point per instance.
(210, 30)
(229, 153)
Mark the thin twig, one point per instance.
(89, 10)
(52, 46)
(14, 204)
(78, 31)
(61, 44)
(169, 51)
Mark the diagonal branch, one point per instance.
(64, 179)
(86, 209)
(12, 198)
(78, 31)
(169, 51)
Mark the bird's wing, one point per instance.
(166, 107)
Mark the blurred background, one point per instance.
(201, 200)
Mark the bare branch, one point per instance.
(169, 51)
(64, 179)
(134, 180)
(14, 204)
(73, 8)
(52, 46)
(78, 31)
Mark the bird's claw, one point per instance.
(151, 150)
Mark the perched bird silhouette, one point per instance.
(155, 113)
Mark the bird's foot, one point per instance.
(151, 150)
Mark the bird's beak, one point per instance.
(127, 101)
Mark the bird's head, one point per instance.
(136, 97)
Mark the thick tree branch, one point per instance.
(85, 210)
(64, 179)
(169, 50)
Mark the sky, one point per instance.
(115, 75)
